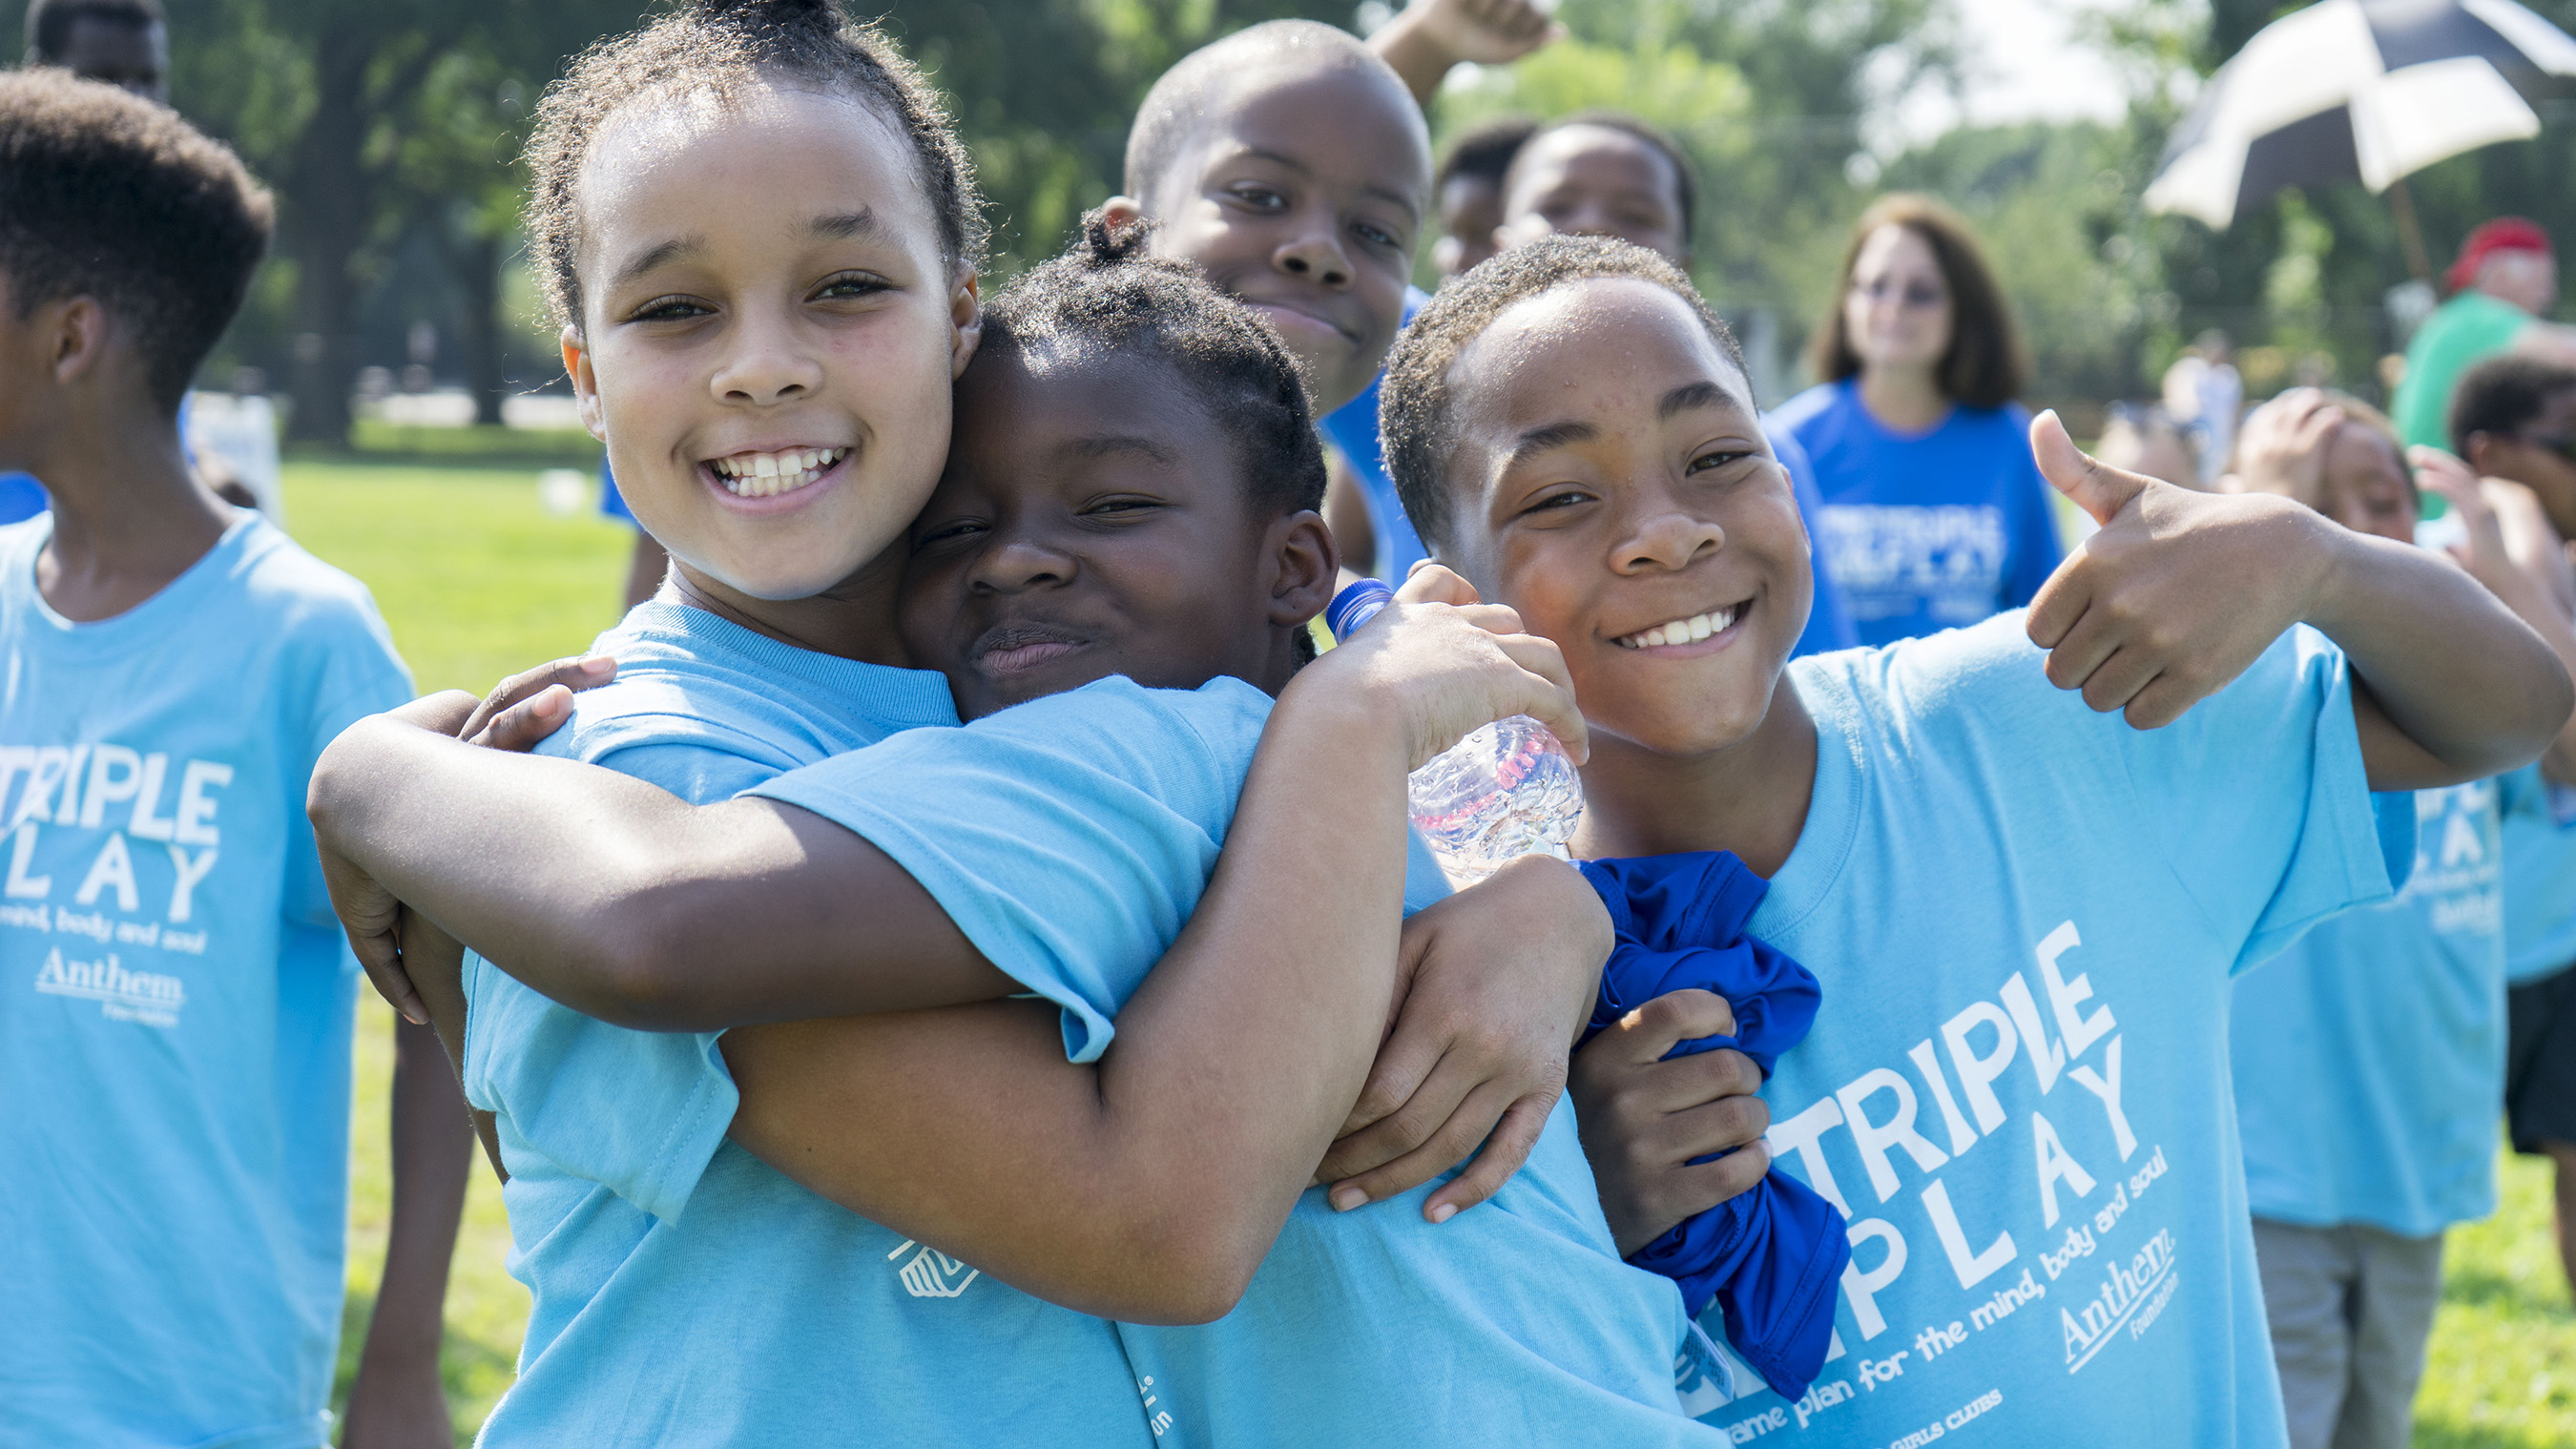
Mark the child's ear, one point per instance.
(1305, 566)
(966, 311)
(2481, 447)
(75, 332)
(1122, 211)
(585, 383)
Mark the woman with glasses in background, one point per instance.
(1935, 516)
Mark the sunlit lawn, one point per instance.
(478, 581)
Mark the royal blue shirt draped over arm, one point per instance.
(1769, 1256)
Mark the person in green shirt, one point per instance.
(2503, 284)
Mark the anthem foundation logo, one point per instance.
(931, 1273)
(140, 996)
(2131, 1297)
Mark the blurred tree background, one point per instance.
(390, 129)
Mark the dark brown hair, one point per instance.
(108, 195)
(1416, 409)
(722, 47)
(1984, 367)
(1107, 296)
(50, 22)
(2502, 396)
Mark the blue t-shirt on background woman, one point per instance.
(21, 498)
(1924, 531)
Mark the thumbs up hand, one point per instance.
(2177, 594)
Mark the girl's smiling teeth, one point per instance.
(1682, 631)
(760, 475)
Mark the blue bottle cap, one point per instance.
(1355, 606)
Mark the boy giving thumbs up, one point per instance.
(2024, 913)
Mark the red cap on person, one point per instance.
(2504, 234)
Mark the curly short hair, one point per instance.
(107, 195)
(1106, 295)
(1417, 412)
(723, 47)
(2502, 394)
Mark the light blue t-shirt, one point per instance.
(686, 1293)
(176, 1001)
(1998, 888)
(1930, 531)
(2369, 1056)
(1098, 814)
(2539, 880)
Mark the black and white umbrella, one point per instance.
(2359, 89)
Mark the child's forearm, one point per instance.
(398, 1378)
(1150, 1186)
(625, 902)
(2454, 687)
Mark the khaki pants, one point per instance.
(2351, 1308)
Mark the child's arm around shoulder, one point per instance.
(609, 894)
(1149, 1185)
(2180, 592)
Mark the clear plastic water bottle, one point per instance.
(1506, 790)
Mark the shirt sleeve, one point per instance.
(360, 675)
(641, 1113)
(1069, 838)
(2260, 803)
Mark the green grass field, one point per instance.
(477, 581)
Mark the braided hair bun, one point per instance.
(1109, 293)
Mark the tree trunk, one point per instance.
(477, 264)
(326, 225)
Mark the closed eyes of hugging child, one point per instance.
(1130, 494)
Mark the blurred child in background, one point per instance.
(2204, 396)
(123, 43)
(2503, 286)
(1934, 517)
(2514, 420)
(1291, 163)
(1602, 173)
(2143, 439)
(175, 1043)
(1468, 189)
(1293, 167)
(2369, 1055)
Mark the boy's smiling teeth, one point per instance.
(1680, 631)
(759, 475)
